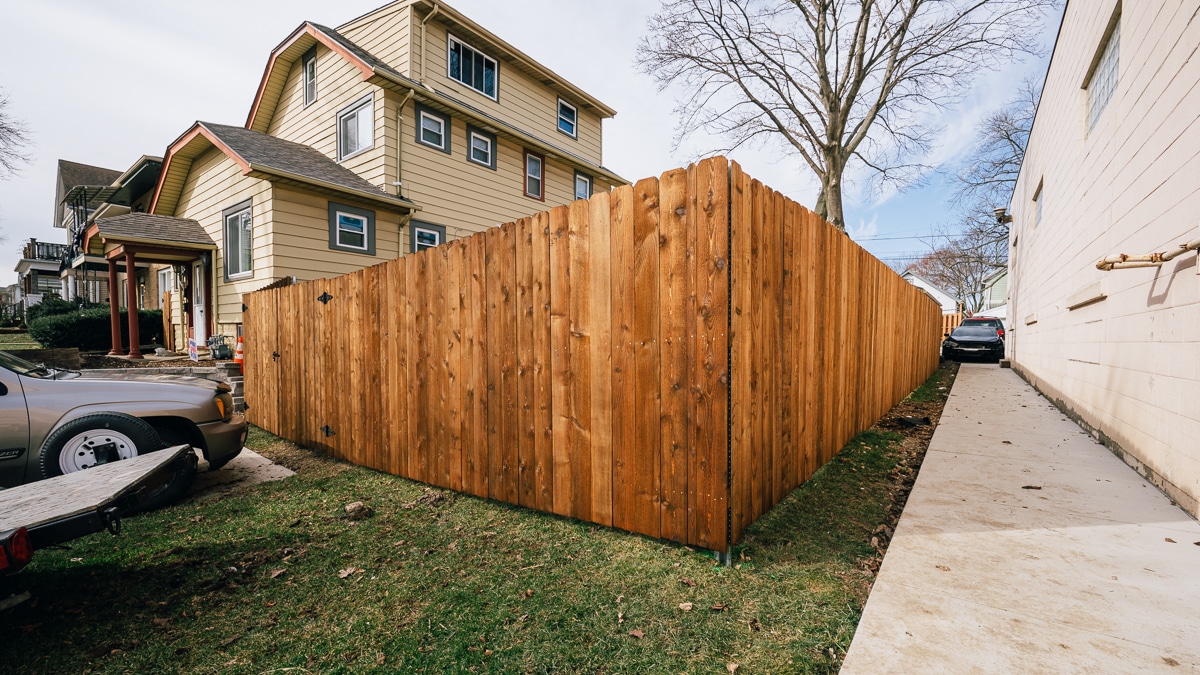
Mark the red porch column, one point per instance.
(131, 302)
(114, 307)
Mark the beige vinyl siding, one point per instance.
(466, 197)
(214, 184)
(339, 84)
(524, 102)
(384, 35)
(300, 237)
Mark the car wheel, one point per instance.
(108, 437)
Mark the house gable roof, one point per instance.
(374, 70)
(265, 157)
(72, 174)
(933, 289)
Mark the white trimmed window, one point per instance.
(239, 242)
(481, 147)
(568, 118)
(472, 68)
(583, 185)
(310, 76)
(433, 131)
(535, 185)
(351, 230)
(1103, 80)
(427, 235)
(356, 128)
(433, 128)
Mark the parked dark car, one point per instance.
(54, 422)
(973, 341)
(989, 321)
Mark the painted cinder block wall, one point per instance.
(1117, 350)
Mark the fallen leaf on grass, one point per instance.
(731, 667)
(275, 573)
(1031, 487)
(719, 607)
(686, 581)
(686, 606)
(528, 593)
(230, 640)
(342, 574)
(380, 658)
(754, 625)
(161, 622)
(637, 633)
(620, 618)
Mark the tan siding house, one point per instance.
(407, 127)
(1113, 167)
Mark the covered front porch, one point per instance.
(130, 239)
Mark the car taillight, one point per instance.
(16, 550)
(1000, 332)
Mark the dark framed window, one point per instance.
(473, 68)
(583, 185)
(351, 229)
(309, 70)
(481, 147)
(433, 128)
(535, 175)
(568, 119)
(239, 241)
(356, 127)
(425, 235)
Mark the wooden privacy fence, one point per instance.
(670, 358)
(950, 322)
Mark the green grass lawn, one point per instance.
(277, 579)
(17, 341)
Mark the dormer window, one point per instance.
(309, 69)
(567, 118)
(470, 67)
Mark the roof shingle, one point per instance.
(268, 152)
(146, 226)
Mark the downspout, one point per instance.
(400, 162)
(424, 48)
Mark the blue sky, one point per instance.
(104, 83)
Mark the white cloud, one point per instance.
(864, 230)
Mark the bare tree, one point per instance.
(836, 82)
(13, 138)
(960, 267)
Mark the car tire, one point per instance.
(72, 447)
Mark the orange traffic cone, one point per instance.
(238, 356)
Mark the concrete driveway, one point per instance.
(1027, 547)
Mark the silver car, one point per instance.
(54, 422)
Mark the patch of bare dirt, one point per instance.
(916, 421)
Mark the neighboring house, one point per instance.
(85, 274)
(994, 295)
(947, 302)
(78, 192)
(1113, 167)
(37, 272)
(407, 127)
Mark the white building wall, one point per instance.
(1128, 363)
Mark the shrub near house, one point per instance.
(90, 329)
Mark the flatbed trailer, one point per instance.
(70, 506)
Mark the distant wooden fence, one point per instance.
(950, 322)
(670, 358)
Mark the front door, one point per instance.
(199, 317)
